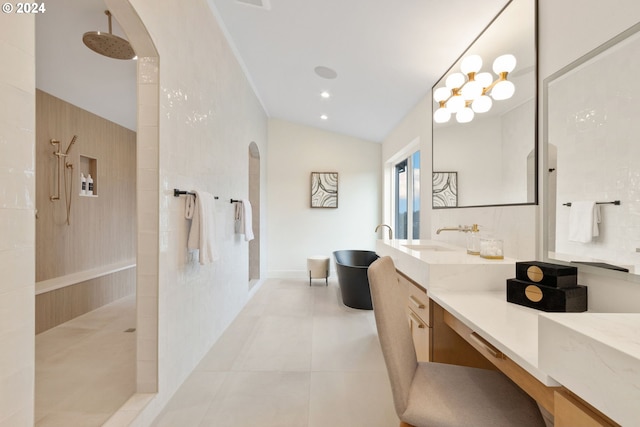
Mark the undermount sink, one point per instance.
(427, 248)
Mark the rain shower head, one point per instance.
(108, 44)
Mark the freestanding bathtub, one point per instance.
(351, 266)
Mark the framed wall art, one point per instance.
(445, 189)
(324, 189)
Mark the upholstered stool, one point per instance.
(318, 268)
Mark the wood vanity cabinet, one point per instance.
(570, 411)
(418, 316)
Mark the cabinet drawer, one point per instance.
(531, 385)
(570, 411)
(421, 333)
(417, 300)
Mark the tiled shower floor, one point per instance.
(85, 368)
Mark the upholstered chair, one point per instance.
(428, 394)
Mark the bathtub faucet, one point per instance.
(463, 228)
(385, 225)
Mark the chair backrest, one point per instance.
(393, 329)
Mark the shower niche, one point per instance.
(88, 168)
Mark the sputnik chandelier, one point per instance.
(471, 91)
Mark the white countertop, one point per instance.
(595, 355)
(449, 266)
(511, 328)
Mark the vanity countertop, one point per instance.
(431, 262)
(595, 355)
(511, 328)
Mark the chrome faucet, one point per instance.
(385, 225)
(464, 228)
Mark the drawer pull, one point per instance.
(416, 302)
(487, 347)
(416, 319)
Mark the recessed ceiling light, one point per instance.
(324, 117)
(325, 72)
(325, 94)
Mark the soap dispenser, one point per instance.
(83, 184)
(89, 185)
(473, 240)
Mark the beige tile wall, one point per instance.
(61, 305)
(101, 230)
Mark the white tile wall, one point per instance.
(17, 219)
(197, 117)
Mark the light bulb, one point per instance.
(441, 94)
(504, 63)
(471, 90)
(455, 103)
(465, 115)
(471, 64)
(503, 90)
(482, 104)
(455, 80)
(485, 79)
(442, 115)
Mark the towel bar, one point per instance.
(178, 193)
(615, 202)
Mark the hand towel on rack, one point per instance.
(243, 217)
(584, 217)
(202, 235)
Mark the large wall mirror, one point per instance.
(484, 117)
(592, 182)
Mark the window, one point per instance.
(407, 197)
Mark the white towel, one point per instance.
(202, 235)
(243, 217)
(584, 217)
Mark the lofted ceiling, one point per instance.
(386, 55)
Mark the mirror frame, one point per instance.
(535, 124)
(545, 158)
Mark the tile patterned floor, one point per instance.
(85, 368)
(295, 356)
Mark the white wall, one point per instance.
(415, 127)
(209, 115)
(297, 231)
(17, 219)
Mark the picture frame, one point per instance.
(445, 189)
(324, 189)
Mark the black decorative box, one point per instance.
(547, 274)
(547, 298)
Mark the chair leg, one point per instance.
(309, 277)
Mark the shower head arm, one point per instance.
(109, 15)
